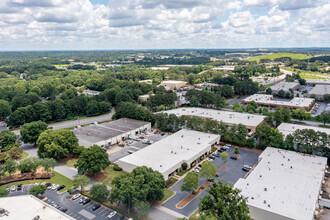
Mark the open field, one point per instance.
(305, 74)
(110, 174)
(273, 56)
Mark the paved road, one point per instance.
(310, 123)
(231, 175)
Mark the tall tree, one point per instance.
(223, 202)
(81, 182)
(7, 140)
(224, 157)
(99, 192)
(208, 170)
(4, 109)
(190, 182)
(92, 160)
(30, 132)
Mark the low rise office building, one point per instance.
(285, 86)
(284, 185)
(109, 133)
(268, 101)
(319, 91)
(168, 154)
(288, 128)
(173, 84)
(250, 121)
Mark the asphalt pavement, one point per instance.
(231, 176)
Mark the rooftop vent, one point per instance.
(291, 167)
(182, 136)
(282, 164)
(260, 176)
(252, 197)
(161, 165)
(265, 189)
(264, 201)
(171, 152)
(198, 142)
(269, 205)
(288, 159)
(187, 148)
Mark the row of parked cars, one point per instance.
(316, 108)
(13, 188)
(52, 203)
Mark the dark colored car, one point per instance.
(60, 187)
(63, 209)
(48, 184)
(19, 186)
(200, 165)
(221, 150)
(96, 207)
(216, 155)
(122, 217)
(86, 201)
(245, 169)
(233, 157)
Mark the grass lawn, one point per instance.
(24, 155)
(307, 76)
(273, 56)
(58, 179)
(70, 162)
(110, 174)
(167, 194)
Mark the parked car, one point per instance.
(212, 157)
(19, 186)
(60, 187)
(112, 214)
(247, 166)
(86, 201)
(82, 199)
(37, 184)
(246, 169)
(217, 175)
(63, 209)
(200, 165)
(76, 196)
(13, 188)
(233, 157)
(7, 188)
(43, 183)
(221, 150)
(96, 207)
(209, 159)
(216, 154)
(48, 184)
(145, 142)
(129, 151)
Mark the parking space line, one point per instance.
(102, 211)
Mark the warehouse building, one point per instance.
(285, 86)
(268, 101)
(288, 128)
(319, 91)
(29, 207)
(284, 185)
(168, 154)
(318, 81)
(107, 134)
(250, 121)
(172, 84)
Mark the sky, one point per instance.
(162, 24)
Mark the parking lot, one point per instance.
(231, 175)
(74, 208)
(135, 146)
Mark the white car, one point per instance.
(76, 196)
(247, 166)
(49, 187)
(37, 184)
(112, 214)
(54, 187)
(13, 188)
(43, 183)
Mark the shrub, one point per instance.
(202, 187)
(184, 166)
(37, 190)
(117, 168)
(3, 192)
(70, 191)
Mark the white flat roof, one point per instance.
(225, 116)
(287, 128)
(28, 207)
(285, 182)
(172, 150)
(284, 86)
(320, 89)
(268, 99)
(173, 82)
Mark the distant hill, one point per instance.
(297, 56)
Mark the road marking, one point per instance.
(102, 211)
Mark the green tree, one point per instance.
(224, 157)
(236, 150)
(30, 132)
(37, 191)
(10, 166)
(7, 140)
(99, 192)
(29, 164)
(324, 117)
(141, 185)
(5, 109)
(160, 108)
(300, 114)
(193, 101)
(3, 192)
(208, 170)
(223, 202)
(81, 182)
(92, 160)
(48, 163)
(190, 182)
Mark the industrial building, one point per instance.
(172, 84)
(319, 91)
(29, 207)
(287, 128)
(144, 97)
(318, 81)
(285, 86)
(268, 101)
(283, 185)
(107, 134)
(168, 154)
(91, 92)
(250, 121)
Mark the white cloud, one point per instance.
(78, 24)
